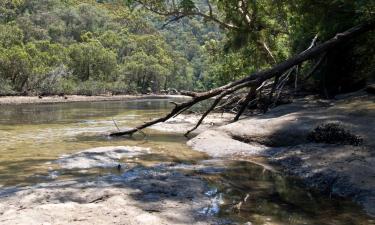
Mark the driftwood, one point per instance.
(252, 81)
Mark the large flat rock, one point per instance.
(281, 136)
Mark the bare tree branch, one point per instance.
(269, 51)
(242, 8)
(210, 8)
(258, 77)
(172, 20)
(216, 102)
(314, 68)
(250, 96)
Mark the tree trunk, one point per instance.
(255, 79)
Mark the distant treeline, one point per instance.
(89, 48)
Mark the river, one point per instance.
(33, 136)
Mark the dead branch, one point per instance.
(174, 19)
(188, 93)
(210, 8)
(313, 42)
(314, 68)
(280, 86)
(114, 122)
(230, 100)
(256, 78)
(216, 102)
(250, 96)
(268, 50)
(275, 83)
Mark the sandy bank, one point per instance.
(280, 137)
(17, 100)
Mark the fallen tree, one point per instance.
(254, 81)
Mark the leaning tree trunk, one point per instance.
(253, 81)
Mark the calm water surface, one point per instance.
(32, 136)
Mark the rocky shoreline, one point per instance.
(161, 195)
(280, 138)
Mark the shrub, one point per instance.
(5, 88)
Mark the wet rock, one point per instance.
(104, 157)
(153, 195)
(162, 182)
(336, 165)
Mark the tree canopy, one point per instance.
(261, 33)
(96, 47)
(140, 46)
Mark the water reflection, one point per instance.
(77, 111)
(34, 136)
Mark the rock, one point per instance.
(281, 135)
(156, 195)
(103, 157)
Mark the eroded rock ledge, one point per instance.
(281, 137)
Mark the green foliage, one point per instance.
(89, 47)
(10, 35)
(15, 65)
(25, 67)
(186, 5)
(9, 9)
(348, 67)
(90, 60)
(93, 47)
(262, 33)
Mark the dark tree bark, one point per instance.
(254, 80)
(249, 97)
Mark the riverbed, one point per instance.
(51, 144)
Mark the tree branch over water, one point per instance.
(256, 79)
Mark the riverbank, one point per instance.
(18, 100)
(281, 138)
(131, 194)
(161, 181)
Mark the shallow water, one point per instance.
(33, 137)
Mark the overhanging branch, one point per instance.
(256, 78)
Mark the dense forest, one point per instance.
(100, 47)
(77, 47)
